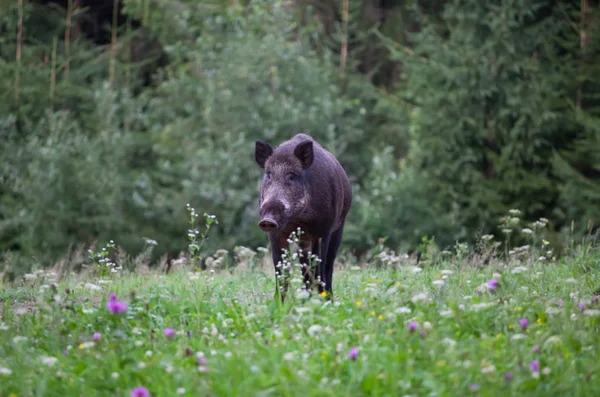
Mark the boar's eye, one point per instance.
(290, 176)
(268, 174)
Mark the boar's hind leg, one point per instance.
(334, 245)
(279, 242)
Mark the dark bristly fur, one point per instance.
(304, 186)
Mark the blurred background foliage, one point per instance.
(446, 114)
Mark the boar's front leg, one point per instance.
(321, 272)
(308, 246)
(278, 243)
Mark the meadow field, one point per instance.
(527, 327)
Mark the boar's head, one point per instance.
(284, 191)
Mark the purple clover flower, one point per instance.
(582, 306)
(97, 336)
(508, 376)
(140, 391)
(535, 349)
(492, 284)
(474, 387)
(523, 322)
(535, 365)
(353, 353)
(595, 298)
(412, 327)
(115, 306)
(169, 332)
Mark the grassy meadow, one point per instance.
(455, 327)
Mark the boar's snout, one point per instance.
(268, 224)
(272, 213)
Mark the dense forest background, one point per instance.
(446, 114)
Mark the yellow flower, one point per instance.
(380, 317)
(441, 363)
(389, 331)
(372, 313)
(539, 321)
(546, 242)
(510, 326)
(12, 395)
(324, 293)
(324, 355)
(358, 303)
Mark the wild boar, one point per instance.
(304, 186)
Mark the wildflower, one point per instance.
(92, 287)
(595, 298)
(5, 371)
(438, 282)
(413, 326)
(180, 390)
(546, 371)
(527, 231)
(114, 375)
(535, 365)
(582, 306)
(372, 313)
(96, 336)
(86, 345)
(359, 303)
(474, 387)
(48, 360)
(488, 368)
(169, 332)
(380, 317)
(523, 322)
(535, 349)
(314, 329)
(492, 284)
(353, 353)
(324, 294)
(402, 310)
(115, 306)
(508, 376)
(140, 391)
(591, 312)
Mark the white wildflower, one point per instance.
(438, 282)
(402, 310)
(314, 329)
(5, 371)
(48, 360)
(180, 390)
(92, 287)
(481, 306)
(447, 313)
(527, 231)
(518, 336)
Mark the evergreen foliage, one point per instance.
(446, 114)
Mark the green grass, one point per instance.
(468, 337)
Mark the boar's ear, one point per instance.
(304, 152)
(262, 151)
